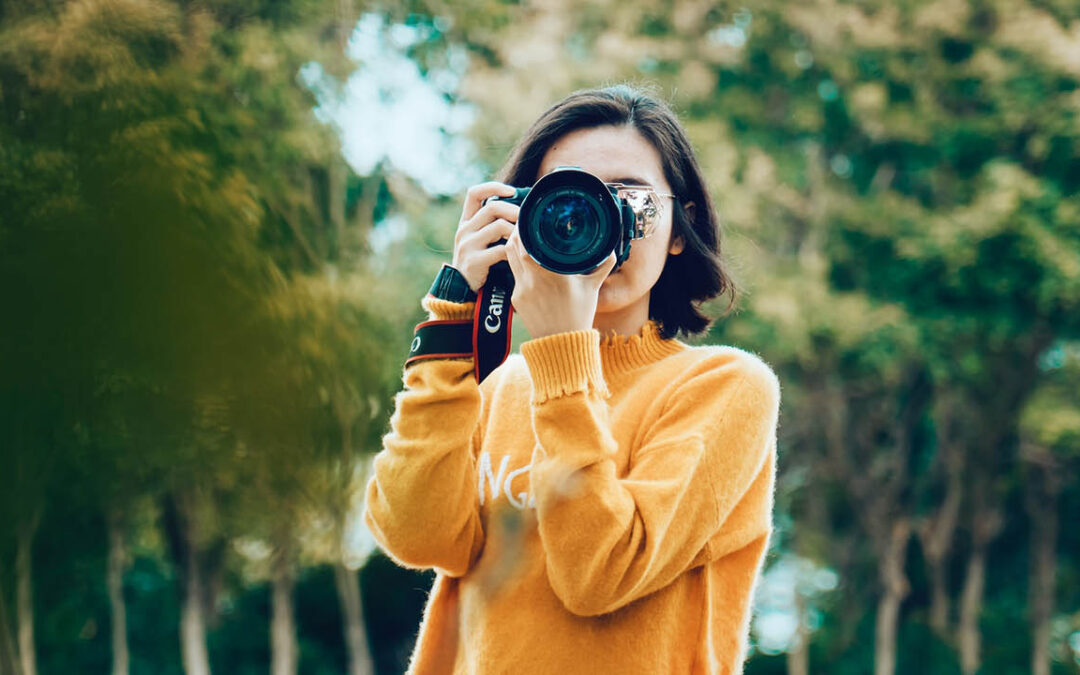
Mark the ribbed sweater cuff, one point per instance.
(445, 310)
(565, 363)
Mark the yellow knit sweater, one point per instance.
(596, 505)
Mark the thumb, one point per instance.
(605, 267)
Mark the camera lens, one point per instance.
(568, 225)
(570, 221)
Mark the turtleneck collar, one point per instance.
(620, 354)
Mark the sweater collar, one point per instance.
(620, 354)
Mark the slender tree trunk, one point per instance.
(9, 657)
(970, 609)
(24, 595)
(352, 610)
(939, 595)
(986, 524)
(798, 657)
(937, 539)
(1042, 487)
(336, 177)
(1044, 564)
(894, 589)
(939, 598)
(193, 624)
(284, 651)
(117, 563)
(937, 533)
(192, 621)
(348, 586)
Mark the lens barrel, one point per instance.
(569, 221)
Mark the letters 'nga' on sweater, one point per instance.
(598, 504)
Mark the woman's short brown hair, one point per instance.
(698, 273)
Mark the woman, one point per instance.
(601, 503)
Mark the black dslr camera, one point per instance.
(570, 221)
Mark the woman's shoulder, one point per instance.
(725, 364)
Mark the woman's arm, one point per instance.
(700, 486)
(421, 504)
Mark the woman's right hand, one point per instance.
(480, 227)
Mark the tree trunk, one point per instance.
(798, 657)
(986, 524)
(24, 595)
(117, 563)
(1043, 571)
(937, 533)
(894, 589)
(348, 586)
(939, 598)
(283, 645)
(970, 609)
(9, 657)
(336, 196)
(352, 611)
(192, 621)
(1043, 484)
(936, 538)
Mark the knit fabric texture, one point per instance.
(598, 504)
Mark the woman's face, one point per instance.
(620, 154)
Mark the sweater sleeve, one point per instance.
(609, 540)
(421, 503)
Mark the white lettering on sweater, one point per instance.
(502, 482)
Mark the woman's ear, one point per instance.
(678, 243)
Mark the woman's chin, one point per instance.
(607, 298)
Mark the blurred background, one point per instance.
(217, 220)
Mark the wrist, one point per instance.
(447, 310)
(450, 285)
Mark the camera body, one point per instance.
(570, 221)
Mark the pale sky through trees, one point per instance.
(390, 111)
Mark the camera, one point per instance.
(570, 221)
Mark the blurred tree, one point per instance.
(132, 173)
(1050, 449)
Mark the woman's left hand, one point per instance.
(549, 302)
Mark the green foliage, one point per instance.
(193, 303)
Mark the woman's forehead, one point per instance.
(615, 154)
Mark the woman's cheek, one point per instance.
(609, 290)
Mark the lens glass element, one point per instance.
(568, 225)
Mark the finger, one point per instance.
(484, 260)
(476, 195)
(490, 256)
(513, 240)
(488, 214)
(492, 232)
(528, 260)
(609, 264)
(512, 256)
(605, 267)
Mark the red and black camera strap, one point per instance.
(485, 337)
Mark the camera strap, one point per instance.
(485, 337)
(441, 340)
(492, 318)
